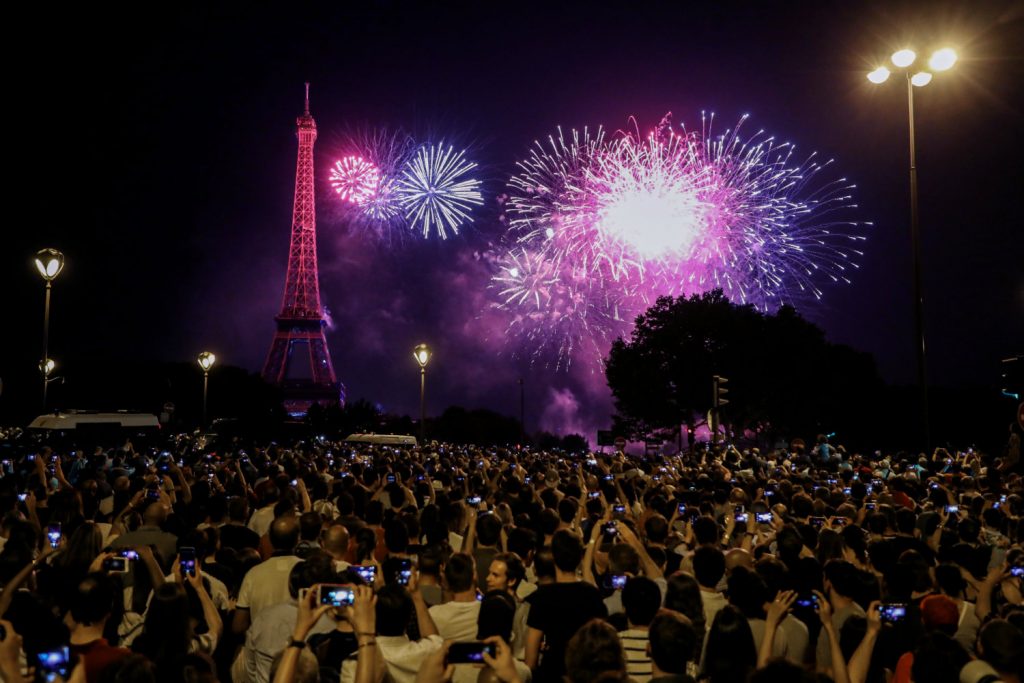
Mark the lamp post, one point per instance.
(206, 361)
(904, 60)
(422, 355)
(49, 263)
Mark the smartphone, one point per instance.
(54, 664)
(892, 612)
(1017, 571)
(742, 517)
(847, 491)
(367, 572)
(818, 522)
(115, 565)
(807, 601)
(609, 477)
(22, 497)
(763, 517)
(153, 494)
(738, 510)
(593, 495)
(681, 508)
(617, 581)
(53, 533)
(870, 506)
(470, 652)
(128, 554)
(840, 521)
(473, 500)
(952, 509)
(187, 560)
(619, 509)
(335, 594)
(390, 478)
(404, 572)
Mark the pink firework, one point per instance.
(355, 179)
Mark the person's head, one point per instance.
(567, 509)
(841, 578)
(460, 573)
(731, 654)
(310, 524)
(782, 671)
(708, 565)
(1001, 644)
(623, 559)
(394, 610)
(284, 534)
(167, 629)
(488, 530)
(82, 547)
(938, 659)
(430, 562)
(683, 596)
(307, 668)
(544, 565)
(497, 614)
(335, 540)
(641, 599)
(594, 653)
(93, 601)
(505, 573)
(238, 509)
(672, 642)
(747, 591)
(317, 568)
(566, 550)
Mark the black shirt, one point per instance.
(559, 610)
(238, 537)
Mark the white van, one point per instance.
(383, 440)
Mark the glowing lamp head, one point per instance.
(206, 360)
(49, 263)
(422, 355)
(943, 59)
(921, 79)
(46, 366)
(879, 75)
(903, 58)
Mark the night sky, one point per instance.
(158, 152)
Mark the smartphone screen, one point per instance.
(53, 534)
(336, 594)
(367, 572)
(892, 612)
(54, 664)
(470, 652)
(404, 572)
(188, 560)
(116, 565)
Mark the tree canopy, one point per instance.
(784, 376)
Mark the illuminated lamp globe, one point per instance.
(879, 75)
(903, 58)
(206, 360)
(921, 78)
(46, 366)
(422, 355)
(49, 263)
(943, 59)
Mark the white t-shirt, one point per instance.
(456, 620)
(266, 584)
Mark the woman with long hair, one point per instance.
(595, 654)
(683, 596)
(730, 654)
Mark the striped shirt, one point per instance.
(638, 664)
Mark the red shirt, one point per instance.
(96, 656)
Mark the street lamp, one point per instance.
(904, 60)
(422, 355)
(206, 361)
(49, 263)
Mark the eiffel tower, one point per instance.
(299, 361)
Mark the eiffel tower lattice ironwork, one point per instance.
(299, 361)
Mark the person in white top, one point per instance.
(456, 619)
(262, 518)
(266, 584)
(395, 605)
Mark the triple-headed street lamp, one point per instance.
(422, 355)
(906, 61)
(49, 263)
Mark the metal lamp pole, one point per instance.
(422, 355)
(49, 263)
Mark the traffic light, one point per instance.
(720, 391)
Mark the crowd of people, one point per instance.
(320, 561)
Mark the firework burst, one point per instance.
(599, 227)
(436, 192)
(355, 179)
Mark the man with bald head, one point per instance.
(150, 532)
(335, 542)
(266, 584)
